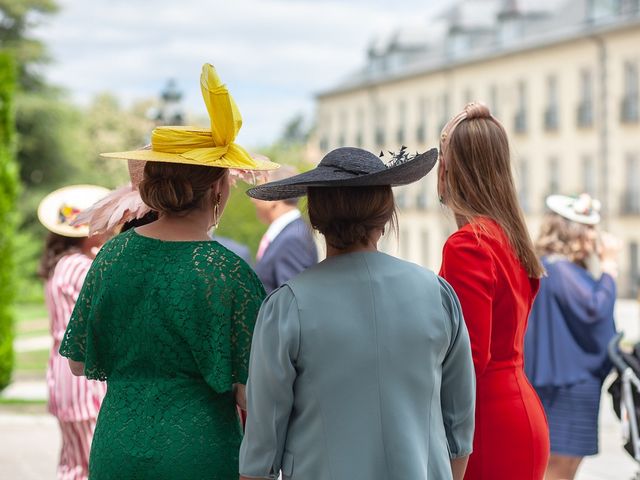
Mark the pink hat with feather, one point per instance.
(120, 206)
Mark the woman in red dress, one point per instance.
(491, 264)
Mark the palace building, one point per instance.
(562, 75)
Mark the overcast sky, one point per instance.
(273, 54)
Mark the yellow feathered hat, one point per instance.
(213, 147)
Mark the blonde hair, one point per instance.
(478, 181)
(559, 236)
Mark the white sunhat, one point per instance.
(58, 209)
(581, 209)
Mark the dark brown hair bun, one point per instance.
(346, 216)
(173, 188)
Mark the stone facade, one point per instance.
(564, 80)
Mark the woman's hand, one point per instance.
(610, 246)
(77, 368)
(240, 392)
(458, 467)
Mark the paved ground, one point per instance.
(612, 463)
(29, 438)
(33, 343)
(29, 445)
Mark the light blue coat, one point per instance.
(360, 368)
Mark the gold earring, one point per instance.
(216, 212)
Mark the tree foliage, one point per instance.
(17, 18)
(8, 193)
(109, 127)
(295, 131)
(61, 145)
(47, 127)
(239, 221)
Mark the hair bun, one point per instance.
(166, 194)
(477, 110)
(172, 188)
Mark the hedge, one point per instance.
(8, 216)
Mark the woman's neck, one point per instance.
(194, 225)
(461, 221)
(370, 246)
(334, 252)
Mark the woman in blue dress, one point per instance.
(360, 366)
(570, 326)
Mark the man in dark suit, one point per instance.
(287, 247)
(238, 248)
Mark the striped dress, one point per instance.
(75, 401)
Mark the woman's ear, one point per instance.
(216, 189)
(441, 181)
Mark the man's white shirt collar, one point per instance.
(280, 223)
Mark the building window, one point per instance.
(585, 107)
(401, 197)
(343, 129)
(424, 247)
(554, 176)
(422, 198)
(444, 111)
(630, 7)
(402, 122)
(379, 121)
(629, 109)
(631, 194)
(404, 243)
(360, 127)
(601, 10)
(634, 269)
(421, 129)
(468, 96)
(493, 100)
(325, 121)
(551, 112)
(523, 176)
(588, 175)
(520, 120)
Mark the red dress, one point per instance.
(511, 440)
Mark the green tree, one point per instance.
(295, 131)
(62, 148)
(8, 193)
(38, 114)
(48, 139)
(239, 221)
(108, 127)
(52, 144)
(17, 18)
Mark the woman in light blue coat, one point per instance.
(361, 366)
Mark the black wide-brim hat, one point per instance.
(351, 167)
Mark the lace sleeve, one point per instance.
(221, 344)
(74, 343)
(243, 321)
(80, 343)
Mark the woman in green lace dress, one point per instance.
(166, 315)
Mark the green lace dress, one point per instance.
(168, 326)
